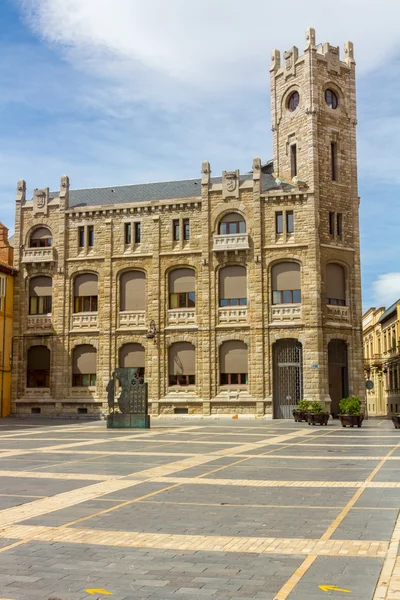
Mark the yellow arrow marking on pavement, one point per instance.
(333, 588)
(98, 591)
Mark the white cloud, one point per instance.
(176, 50)
(386, 289)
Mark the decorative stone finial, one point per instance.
(310, 39)
(205, 172)
(275, 60)
(21, 190)
(349, 53)
(256, 169)
(64, 189)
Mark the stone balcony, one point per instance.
(336, 313)
(132, 319)
(229, 242)
(232, 314)
(38, 255)
(39, 322)
(286, 313)
(84, 320)
(182, 316)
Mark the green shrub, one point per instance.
(350, 406)
(315, 407)
(303, 405)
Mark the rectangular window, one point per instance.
(279, 222)
(40, 305)
(339, 224)
(332, 224)
(182, 300)
(233, 379)
(182, 380)
(137, 233)
(293, 160)
(289, 222)
(175, 230)
(84, 380)
(81, 237)
(186, 229)
(286, 297)
(333, 161)
(233, 302)
(91, 236)
(128, 233)
(85, 304)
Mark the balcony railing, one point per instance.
(132, 318)
(182, 316)
(288, 313)
(232, 314)
(232, 241)
(337, 313)
(38, 255)
(84, 320)
(39, 322)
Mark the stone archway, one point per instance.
(338, 373)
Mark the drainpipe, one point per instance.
(3, 351)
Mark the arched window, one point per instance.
(232, 223)
(38, 371)
(182, 288)
(335, 284)
(41, 238)
(133, 291)
(233, 286)
(286, 284)
(132, 356)
(233, 357)
(84, 366)
(182, 364)
(331, 99)
(85, 293)
(293, 101)
(40, 295)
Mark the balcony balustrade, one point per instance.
(235, 241)
(132, 319)
(182, 316)
(39, 322)
(232, 314)
(84, 320)
(288, 313)
(38, 255)
(338, 313)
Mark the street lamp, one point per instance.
(152, 331)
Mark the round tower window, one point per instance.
(293, 101)
(331, 99)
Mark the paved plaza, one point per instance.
(199, 508)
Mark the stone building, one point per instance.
(7, 274)
(238, 293)
(381, 329)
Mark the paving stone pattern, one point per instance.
(210, 508)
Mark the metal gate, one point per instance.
(338, 373)
(288, 377)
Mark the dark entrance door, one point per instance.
(288, 377)
(338, 373)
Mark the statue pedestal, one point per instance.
(128, 421)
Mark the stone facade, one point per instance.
(382, 359)
(7, 274)
(267, 199)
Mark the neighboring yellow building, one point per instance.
(382, 359)
(6, 319)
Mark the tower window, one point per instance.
(334, 161)
(339, 223)
(331, 99)
(279, 222)
(289, 221)
(332, 223)
(293, 101)
(293, 160)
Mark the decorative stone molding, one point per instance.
(232, 314)
(223, 243)
(38, 255)
(132, 318)
(338, 313)
(39, 322)
(286, 312)
(182, 316)
(205, 173)
(40, 201)
(291, 57)
(84, 321)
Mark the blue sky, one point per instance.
(126, 91)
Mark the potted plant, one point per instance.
(350, 411)
(396, 420)
(316, 414)
(300, 413)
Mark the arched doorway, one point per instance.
(338, 373)
(288, 377)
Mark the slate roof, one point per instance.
(145, 192)
(389, 312)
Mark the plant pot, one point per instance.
(299, 415)
(351, 420)
(396, 421)
(317, 418)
